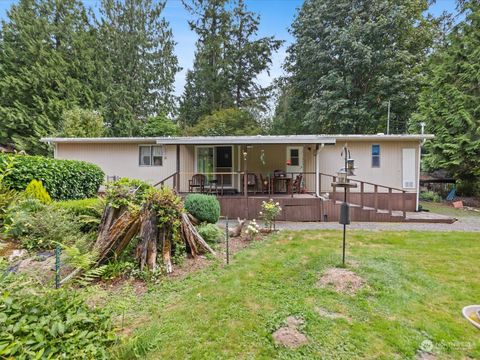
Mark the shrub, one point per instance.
(35, 190)
(468, 187)
(430, 196)
(211, 233)
(87, 211)
(39, 323)
(126, 191)
(269, 213)
(39, 226)
(7, 196)
(63, 179)
(205, 208)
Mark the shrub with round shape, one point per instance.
(205, 208)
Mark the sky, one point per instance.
(275, 15)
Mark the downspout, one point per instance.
(420, 143)
(318, 189)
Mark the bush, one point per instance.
(430, 196)
(35, 190)
(42, 323)
(63, 179)
(87, 211)
(205, 208)
(38, 226)
(468, 187)
(126, 191)
(211, 233)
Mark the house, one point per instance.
(296, 170)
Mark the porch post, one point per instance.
(177, 182)
(245, 177)
(318, 188)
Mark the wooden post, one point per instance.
(404, 207)
(177, 176)
(245, 176)
(376, 196)
(390, 192)
(362, 190)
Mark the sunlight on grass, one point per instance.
(416, 286)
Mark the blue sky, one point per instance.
(276, 17)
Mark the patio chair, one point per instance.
(252, 182)
(266, 184)
(198, 181)
(297, 184)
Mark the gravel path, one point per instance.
(467, 223)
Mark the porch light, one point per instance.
(245, 155)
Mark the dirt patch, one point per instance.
(342, 280)
(331, 315)
(423, 355)
(289, 335)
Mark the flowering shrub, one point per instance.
(252, 230)
(270, 211)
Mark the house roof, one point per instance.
(257, 139)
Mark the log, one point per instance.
(166, 252)
(147, 246)
(193, 238)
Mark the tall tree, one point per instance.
(350, 58)
(138, 49)
(207, 87)
(46, 66)
(228, 59)
(449, 101)
(248, 57)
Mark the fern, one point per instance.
(91, 275)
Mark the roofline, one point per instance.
(256, 139)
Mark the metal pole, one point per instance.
(57, 266)
(388, 118)
(228, 245)
(345, 201)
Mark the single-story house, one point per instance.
(296, 170)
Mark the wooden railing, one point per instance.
(176, 181)
(376, 187)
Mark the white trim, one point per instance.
(215, 160)
(164, 157)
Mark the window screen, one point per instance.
(375, 155)
(145, 155)
(157, 155)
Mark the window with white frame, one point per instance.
(375, 156)
(150, 155)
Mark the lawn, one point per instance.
(416, 286)
(448, 209)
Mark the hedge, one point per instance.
(63, 179)
(205, 208)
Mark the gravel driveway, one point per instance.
(465, 223)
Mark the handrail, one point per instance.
(161, 182)
(370, 183)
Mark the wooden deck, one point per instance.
(307, 207)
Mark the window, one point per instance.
(294, 157)
(375, 156)
(150, 155)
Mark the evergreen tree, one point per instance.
(138, 51)
(46, 66)
(348, 60)
(78, 122)
(228, 59)
(160, 125)
(449, 101)
(226, 122)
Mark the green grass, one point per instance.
(417, 284)
(447, 209)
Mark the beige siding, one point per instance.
(388, 174)
(119, 159)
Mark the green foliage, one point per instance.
(226, 122)
(126, 192)
(48, 63)
(449, 101)
(77, 256)
(430, 196)
(229, 57)
(118, 269)
(38, 226)
(43, 323)
(205, 208)
(35, 190)
(7, 196)
(468, 187)
(63, 179)
(348, 60)
(78, 122)
(87, 211)
(160, 125)
(211, 233)
(137, 47)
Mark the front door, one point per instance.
(294, 159)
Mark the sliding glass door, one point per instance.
(216, 162)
